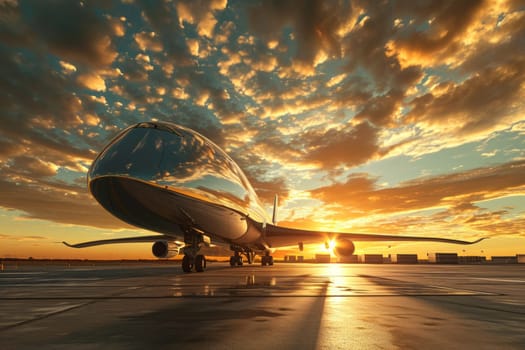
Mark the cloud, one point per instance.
(27, 119)
(74, 33)
(162, 19)
(499, 43)
(445, 24)
(23, 238)
(57, 203)
(353, 145)
(201, 14)
(481, 104)
(148, 41)
(359, 191)
(68, 68)
(92, 81)
(315, 26)
(193, 46)
(34, 166)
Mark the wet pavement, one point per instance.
(286, 306)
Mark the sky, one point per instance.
(395, 117)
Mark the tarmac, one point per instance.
(285, 306)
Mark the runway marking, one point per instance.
(399, 284)
(59, 310)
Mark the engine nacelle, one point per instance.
(164, 249)
(344, 247)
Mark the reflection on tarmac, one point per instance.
(284, 306)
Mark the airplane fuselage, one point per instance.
(164, 177)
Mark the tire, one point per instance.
(232, 261)
(200, 263)
(187, 264)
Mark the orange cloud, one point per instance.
(148, 41)
(58, 203)
(92, 81)
(481, 104)
(359, 191)
(74, 33)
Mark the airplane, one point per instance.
(170, 179)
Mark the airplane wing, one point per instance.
(139, 239)
(277, 236)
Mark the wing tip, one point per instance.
(479, 240)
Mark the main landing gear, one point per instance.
(237, 260)
(267, 259)
(193, 241)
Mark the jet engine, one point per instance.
(344, 247)
(165, 249)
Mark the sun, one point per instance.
(329, 246)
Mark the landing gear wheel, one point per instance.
(266, 260)
(200, 263)
(236, 260)
(187, 263)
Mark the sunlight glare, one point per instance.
(328, 246)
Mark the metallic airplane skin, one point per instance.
(170, 179)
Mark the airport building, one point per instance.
(371, 259)
(443, 258)
(472, 259)
(433, 258)
(322, 258)
(403, 258)
(290, 258)
(352, 259)
(504, 259)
